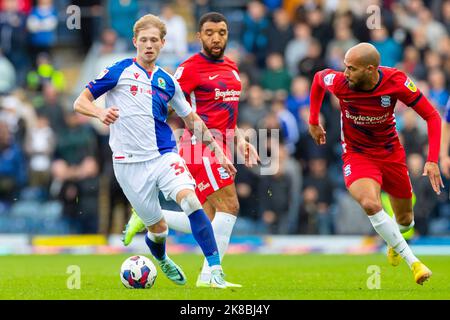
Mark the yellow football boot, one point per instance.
(421, 272)
(393, 257)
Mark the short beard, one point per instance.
(215, 56)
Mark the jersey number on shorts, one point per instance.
(180, 168)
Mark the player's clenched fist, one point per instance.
(109, 115)
(318, 134)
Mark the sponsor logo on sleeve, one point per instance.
(178, 73)
(410, 85)
(236, 75)
(328, 79)
(102, 74)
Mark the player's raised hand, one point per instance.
(445, 166)
(318, 133)
(431, 169)
(109, 115)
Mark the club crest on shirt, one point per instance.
(385, 101)
(410, 85)
(328, 79)
(133, 90)
(161, 83)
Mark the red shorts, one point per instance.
(209, 175)
(391, 173)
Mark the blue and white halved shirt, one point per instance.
(141, 132)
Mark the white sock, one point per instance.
(158, 237)
(389, 231)
(222, 225)
(177, 220)
(403, 228)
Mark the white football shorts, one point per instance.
(142, 181)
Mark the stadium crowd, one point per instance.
(55, 165)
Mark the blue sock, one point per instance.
(158, 250)
(204, 235)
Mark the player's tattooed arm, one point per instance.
(198, 128)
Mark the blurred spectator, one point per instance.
(39, 147)
(8, 78)
(288, 124)
(176, 39)
(298, 47)
(318, 182)
(123, 14)
(432, 60)
(13, 38)
(184, 9)
(275, 77)
(52, 109)
(342, 41)
(24, 6)
(412, 64)
(13, 169)
(312, 62)
(254, 31)
(426, 199)
(102, 53)
(278, 193)
(41, 24)
(298, 101)
(446, 15)
(438, 89)
(390, 50)
(91, 16)
(320, 28)
(75, 174)
(279, 32)
(350, 218)
(45, 72)
(434, 30)
(273, 5)
(11, 114)
(255, 108)
(413, 139)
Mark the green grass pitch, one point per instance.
(264, 277)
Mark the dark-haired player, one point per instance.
(210, 82)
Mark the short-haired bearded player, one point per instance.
(210, 82)
(372, 155)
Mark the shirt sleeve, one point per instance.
(323, 80)
(187, 79)
(407, 92)
(178, 101)
(106, 80)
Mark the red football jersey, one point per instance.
(367, 117)
(213, 88)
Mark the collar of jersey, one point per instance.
(376, 86)
(148, 73)
(209, 59)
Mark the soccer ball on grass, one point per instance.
(138, 272)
